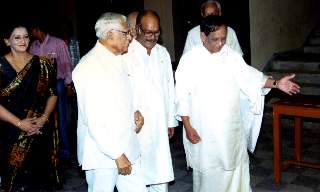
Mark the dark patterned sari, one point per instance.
(28, 160)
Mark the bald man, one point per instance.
(211, 7)
(131, 20)
(150, 68)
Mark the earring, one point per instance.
(7, 42)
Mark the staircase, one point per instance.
(304, 62)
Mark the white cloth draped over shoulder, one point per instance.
(106, 114)
(251, 120)
(153, 85)
(208, 88)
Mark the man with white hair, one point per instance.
(211, 7)
(108, 148)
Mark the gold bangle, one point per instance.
(275, 84)
(45, 116)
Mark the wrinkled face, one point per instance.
(148, 31)
(19, 39)
(210, 9)
(121, 38)
(215, 40)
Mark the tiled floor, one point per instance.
(261, 168)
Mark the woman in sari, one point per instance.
(27, 101)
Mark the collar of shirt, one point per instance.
(105, 54)
(224, 50)
(136, 46)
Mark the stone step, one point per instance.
(312, 77)
(296, 65)
(311, 49)
(316, 32)
(309, 90)
(314, 40)
(289, 121)
(309, 82)
(297, 55)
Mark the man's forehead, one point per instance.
(149, 20)
(220, 31)
(210, 7)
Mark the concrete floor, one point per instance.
(261, 167)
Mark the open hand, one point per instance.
(288, 86)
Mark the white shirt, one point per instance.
(252, 121)
(208, 88)
(193, 39)
(106, 114)
(154, 86)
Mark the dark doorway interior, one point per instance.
(84, 15)
(81, 14)
(88, 13)
(186, 15)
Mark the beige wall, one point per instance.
(279, 25)
(164, 9)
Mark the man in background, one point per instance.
(132, 19)
(56, 49)
(211, 7)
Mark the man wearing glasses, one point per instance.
(108, 147)
(150, 68)
(209, 80)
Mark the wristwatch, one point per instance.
(275, 84)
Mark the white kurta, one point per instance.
(252, 121)
(193, 39)
(106, 114)
(208, 88)
(154, 86)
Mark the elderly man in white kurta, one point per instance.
(209, 80)
(108, 148)
(210, 7)
(150, 68)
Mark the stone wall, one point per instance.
(164, 9)
(279, 25)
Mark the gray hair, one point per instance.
(132, 19)
(107, 22)
(207, 2)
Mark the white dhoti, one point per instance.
(162, 187)
(220, 180)
(105, 180)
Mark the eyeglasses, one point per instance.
(150, 33)
(124, 33)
